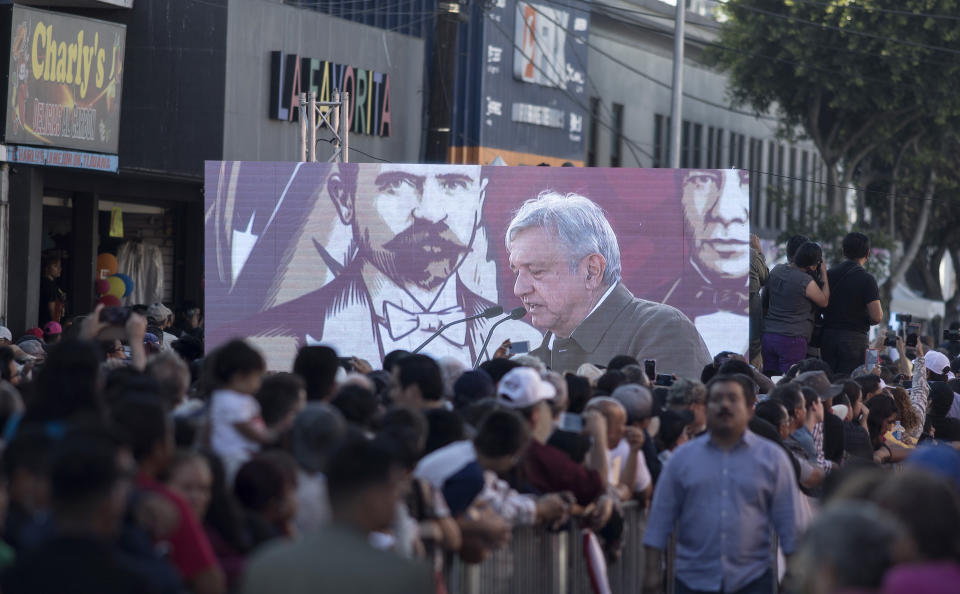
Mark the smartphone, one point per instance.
(912, 331)
(571, 422)
(664, 379)
(115, 316)
(346, 363)
(872, 359)
(650, 369)
(520, 347)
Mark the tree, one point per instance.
(850, 76)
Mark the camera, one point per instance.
(906, 318)
(951, 335)
(890, 340)
(664, 379)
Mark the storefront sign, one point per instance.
(291, 74)
(65, 78)
(30, 155)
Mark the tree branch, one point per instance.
(918, 235)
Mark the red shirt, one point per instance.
(190, 550)
(550, 470)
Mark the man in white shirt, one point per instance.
(627, 466)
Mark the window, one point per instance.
(659, 158)
(593, 131)
(717, 158)
(616, 144)
(697, 146)
(685, 145)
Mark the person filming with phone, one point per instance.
(792, 292)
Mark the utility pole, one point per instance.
(440, 116)
(676, 109)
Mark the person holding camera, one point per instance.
(792, 291)
(847, 319)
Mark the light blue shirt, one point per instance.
(724, 504)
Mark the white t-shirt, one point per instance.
(617, 458)
(226, 409)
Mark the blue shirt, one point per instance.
(804, 439)
(724, 504)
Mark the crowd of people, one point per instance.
(134, 462)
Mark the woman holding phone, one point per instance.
(793, 291)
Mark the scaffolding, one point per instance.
(332, 114)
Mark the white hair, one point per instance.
(579, 224)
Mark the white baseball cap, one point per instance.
(5, 333)
(522, 387)
(936, 362)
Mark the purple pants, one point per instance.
(781, 352)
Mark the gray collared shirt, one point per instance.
(724, 504)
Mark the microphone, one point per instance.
(490, 312)
(515, 314)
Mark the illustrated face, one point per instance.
(727, 411)
(555, 296)
(715, 207)
(417, 222)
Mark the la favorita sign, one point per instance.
(65, 81)
(292, 74)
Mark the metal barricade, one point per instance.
(538, 560)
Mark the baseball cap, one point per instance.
(5, 333)
(818, 381)
(35, 332)
(936, 362)
(151, 338)
(52, 328)
(158, 312)
(522, 387)
(940, 459)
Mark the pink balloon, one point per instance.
(102, 287)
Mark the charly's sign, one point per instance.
(292, 74)
(65, 81)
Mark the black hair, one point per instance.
(224, 513)
(392, 357)
(747, 385)
(868, 383)
(736, 366)
(357, 404)
(794, 244)
(190, 348)
(407, 428)
(357, 465)
(809, 254)
(706, 374)
(941, 399)
(278, 395)
(810, 396)
(852, 391)
(233, 358)
(609, 381)
(264, 479)
(68, 383)
(814, 364)
(497, 368)
(424, 372)
(881, 407)
(621, 361)
(501, 433)
(770, 411)
(143, 422)
(445, 427)
(790, 396)
(578, 392)
(317, 365)
(30, 450)
(6, 357)
(124, 382)
(855, 246)
(83, 471)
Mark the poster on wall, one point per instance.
(370, 258)
(65, 81)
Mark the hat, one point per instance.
(522, 387)
(5, 333)
(151, 338)
(158, 313)
(941, 460)
(317, 431)
(936, 362)
(672, 423)
(33, 348)
(35, 332)
(472, 386)
(820, 383)
(52, 328)
(636, 400)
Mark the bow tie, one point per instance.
(722, 299)
(400, 322)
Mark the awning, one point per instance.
(905, 301)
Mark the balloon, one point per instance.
(106, 262)
(102, 287)
(126, 281)
(110, 301)
(117, 286)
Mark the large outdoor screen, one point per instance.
(369, 258)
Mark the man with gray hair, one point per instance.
(566, 260)
(690, 395)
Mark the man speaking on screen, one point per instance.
(413, 227)
(567, 264)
